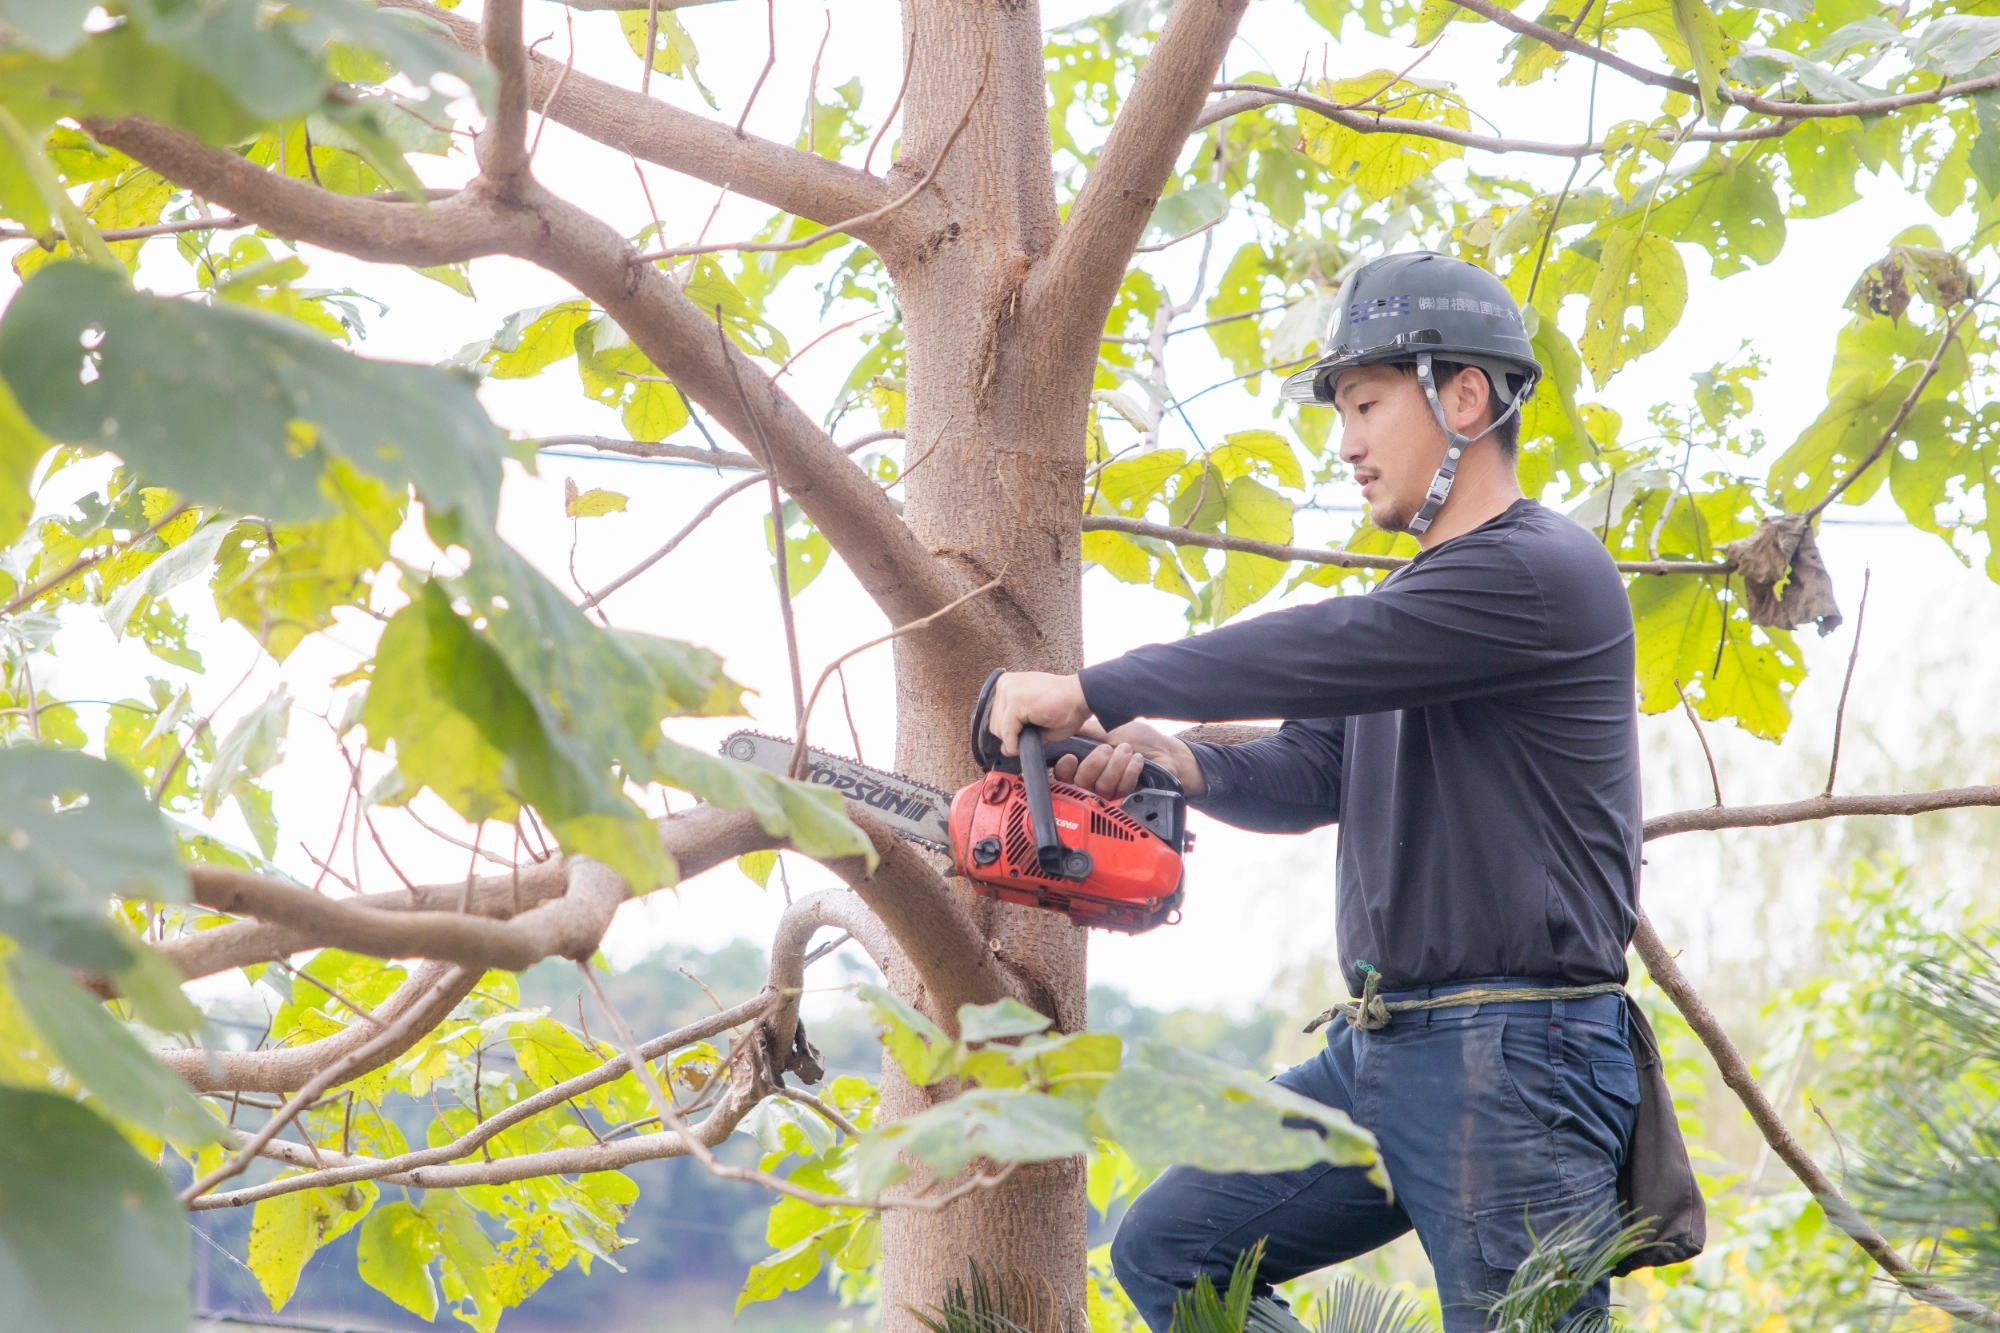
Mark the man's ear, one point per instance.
(1471, 396)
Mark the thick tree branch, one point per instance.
(1817, 807)
(698, 840)
(801, 183)
(1736, 1073)
(570, 926)
(466, 226)
(425, 1000)
(502, 147)
(1077, 282)
(1216, 541)
(905, 580)
(934, 930)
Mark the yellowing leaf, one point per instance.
(1249, 451)
(1119, 556)
(593, 503)
(1379, 165)
(1255, 511)
(1681, 631)
(1635, 272)
(287, 1230)
(1708, 50)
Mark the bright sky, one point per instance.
(1257, 905)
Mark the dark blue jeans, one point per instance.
(1497, 1123)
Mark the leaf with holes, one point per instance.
(1635, 273)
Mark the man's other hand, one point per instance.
(1053, 703)
(1112, 769)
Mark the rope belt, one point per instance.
(1372, 1012)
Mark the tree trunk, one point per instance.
(995, 460)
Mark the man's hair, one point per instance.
(1508, 433)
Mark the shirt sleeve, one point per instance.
(1286, 783)
(1470, 621)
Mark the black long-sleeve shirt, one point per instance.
(1472, 726)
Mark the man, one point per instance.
(1472, 727)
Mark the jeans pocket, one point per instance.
(1521, 1048)
(1618, 1079)
(1509, 1234)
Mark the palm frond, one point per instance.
(1355, 1305)
(1564, 1265)
(988, 1306)
(1202, 1311)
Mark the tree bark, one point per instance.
(995, 462)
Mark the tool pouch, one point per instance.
(1657, 1185)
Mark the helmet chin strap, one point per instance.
(1455, 446)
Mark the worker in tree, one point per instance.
(1471, 726)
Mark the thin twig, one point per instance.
(831, 1116)
(873, 215)
(713, 997)
(798, 764)
(1701, 736)
(652, 46)
(769, 461)
(459, 843)
(569, 17)
(363, 1010)
(84, 562)
(771, 59)
(228, 222)
(845, 324)
(1184, 236)
(314, 1086)
(669, 1116)
(812, 83)
(909, 62)
(1909, 403)
(853, 732)
(1853, 656)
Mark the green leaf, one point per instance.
(709, 287)
(21, 449)
(249, 751)
(616, 373)
(91, 1237)
(996, 1124)
(1002, 1019)
(1635, 272)
(807, 550)
(288, 1229)
(788, 1270)
(230, 408)
(674, 51)
(192, 557)
(1708, 50)
(1728, 207)
(533, 340)
(467, 1252)
(1380, 165)
(1170, 1107)
(919, 1045)
(1259, 451)
(1255, 511)
(397, 1245)
(757, 867)
(1747, 677)
(454, 276)
(1118, 555)
(53, 27)
(62, 857)
(97, 1050)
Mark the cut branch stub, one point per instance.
(1785, 577)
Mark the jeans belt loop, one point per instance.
(1556, 1035)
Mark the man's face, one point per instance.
(1391, 440)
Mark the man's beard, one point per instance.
(1391, 519)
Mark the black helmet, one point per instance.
(1426, 307)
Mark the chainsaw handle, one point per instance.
(1056, 859)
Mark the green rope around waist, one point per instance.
(1372, 1012)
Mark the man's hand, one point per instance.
(1112, 769)
(1053, 703)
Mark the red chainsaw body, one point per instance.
(1134, 882)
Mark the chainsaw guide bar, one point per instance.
(916, 812)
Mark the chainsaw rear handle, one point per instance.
(1056, 859)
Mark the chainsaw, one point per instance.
(1019, 835)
